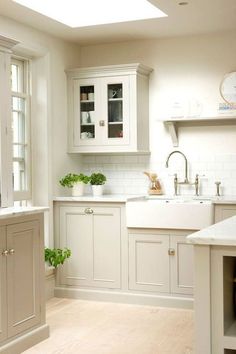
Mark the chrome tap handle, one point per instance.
(196, 183)
(176, 183)
(217, 183)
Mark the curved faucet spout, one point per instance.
(185, 160)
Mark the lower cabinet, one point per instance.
(94, 236)
(21, 283)
(160, 262)
(224, 211)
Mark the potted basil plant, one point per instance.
(97, 181)
(76, 182)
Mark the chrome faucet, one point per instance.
(186, 181)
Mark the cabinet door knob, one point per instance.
(5, 253)
(102, 123)
(88, 211)
(171, 251)
(11, 251)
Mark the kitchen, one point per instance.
(187, 68)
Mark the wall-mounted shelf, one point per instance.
(173, 124)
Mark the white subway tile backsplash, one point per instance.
(125, 172)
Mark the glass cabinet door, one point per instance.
(87, 112)
(115, 111)
(117, 95)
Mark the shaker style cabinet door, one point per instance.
(93, 235)
(23, 276)
(181, 265)
(3, 285)
(149, 262)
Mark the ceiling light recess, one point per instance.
(82, 13)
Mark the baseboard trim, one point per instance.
(26, 341)
(128, 298)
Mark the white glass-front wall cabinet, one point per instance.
(108, 109)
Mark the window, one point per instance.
(21, 128)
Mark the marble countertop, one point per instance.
(122, 198)
(19, 211)
(107, 198)
(222, 233)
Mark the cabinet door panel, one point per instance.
(181, 266)
(223, 212)
(76, 230)
(116, 111)
(23, 276)
(149, 262)
(106, 247)
(86, 110)
(3, 285)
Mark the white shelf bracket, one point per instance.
(173, 132)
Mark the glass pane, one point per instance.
(19, 151)
(115, 110)
(18, 120)
(115, 130)
(19, 182)
(87, 112)
(17, 77)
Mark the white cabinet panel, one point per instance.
(181, 265)
(3, 285)
(160, 263)
(23, 276)
(223, 212)
(148, 262)
(94, 240)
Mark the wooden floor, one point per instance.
(86, 327)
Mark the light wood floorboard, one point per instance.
(87, 327)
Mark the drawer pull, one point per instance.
(171, 251)
(5, 253)
(11, 251)
(88, 211)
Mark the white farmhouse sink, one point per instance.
(184, 214)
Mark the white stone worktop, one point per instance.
(222, 233)
(107, 198)
(19, 211)
(123, 198)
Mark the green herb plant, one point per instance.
(71, 179)
(56, 256)
(97, 179)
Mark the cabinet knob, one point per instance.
(88, 211)
(5, 253)
(11, 251)
(102, 123)
(171, 251)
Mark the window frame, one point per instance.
(25, 64)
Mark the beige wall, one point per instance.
(187, 67)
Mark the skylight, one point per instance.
(81, 13)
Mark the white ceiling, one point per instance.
(199, 16)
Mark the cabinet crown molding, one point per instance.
(6, 44)
(122, 69)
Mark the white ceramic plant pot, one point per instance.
(78, 189)
(97, 190)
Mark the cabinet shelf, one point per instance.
(115, 123)
(115, 99)
(87, 101)
(174, 123)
